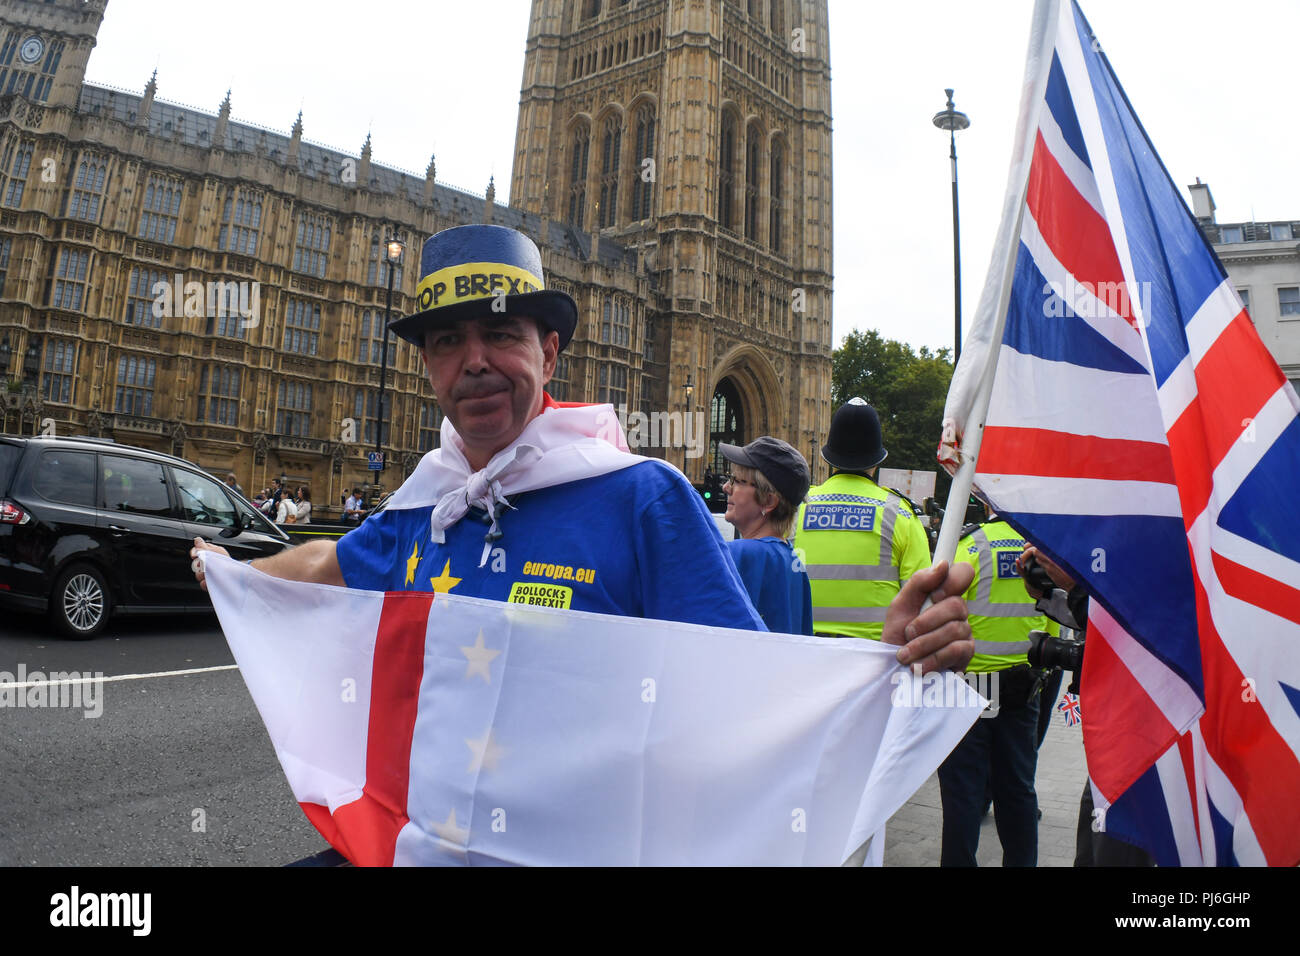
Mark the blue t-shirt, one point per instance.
(636, 542)
(777, 584)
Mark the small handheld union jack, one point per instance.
(1069, 706)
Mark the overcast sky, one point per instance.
(1213, 82)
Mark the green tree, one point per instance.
(908, 390)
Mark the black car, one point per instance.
(91, 528)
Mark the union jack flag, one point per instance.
(1069, 706)
(1140, 433)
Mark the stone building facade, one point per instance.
(699, 133)
(186, 282)
(1263, 261)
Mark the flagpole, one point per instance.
(1042, 41)
(954, 514)
(945, 548)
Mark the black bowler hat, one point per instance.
(784, 468)
(855, 442)
(464, 270)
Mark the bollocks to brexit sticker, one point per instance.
(540, 595)
(839, 517)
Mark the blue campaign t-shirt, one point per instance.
(636, 542)
(777, 583)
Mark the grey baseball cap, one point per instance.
(778, 462)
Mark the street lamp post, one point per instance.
(392, 256)
(688, 388)
(952, 120)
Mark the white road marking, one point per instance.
(91, 680)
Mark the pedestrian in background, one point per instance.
(303, 505)
(768, 481)
(285, 511)
(353, 511)
(277, 492)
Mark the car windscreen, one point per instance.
(9, 455)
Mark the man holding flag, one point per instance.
(500, 731)
(1114, 403)
(490, 334)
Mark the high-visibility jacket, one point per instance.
(1001, 611)
(860, 542)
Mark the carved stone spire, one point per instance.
(430, 176)
(223, 120)
(295, 140)
(146, 104)
(363, 170)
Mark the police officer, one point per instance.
(1000, 753)
(860, 541)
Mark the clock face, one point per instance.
(31, 49)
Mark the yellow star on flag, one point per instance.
(411, 562)
(444, 582)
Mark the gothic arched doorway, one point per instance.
(726, 423)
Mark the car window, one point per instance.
(9, 455)
(66, 476)
(134, 486)
(202, 499)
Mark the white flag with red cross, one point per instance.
(441, 730)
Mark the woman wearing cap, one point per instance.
(768, 480)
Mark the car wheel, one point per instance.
(80, 603)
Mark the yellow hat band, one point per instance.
(474, 280)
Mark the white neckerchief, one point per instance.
(558, 446)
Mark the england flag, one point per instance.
(425, 729)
